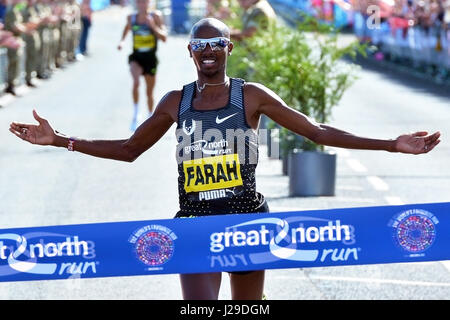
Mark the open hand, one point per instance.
(42, 134)
(417, 143)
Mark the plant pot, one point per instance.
(285, 165)
(312, 173)
(291, 142)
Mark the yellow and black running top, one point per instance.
(144, 39)
(217, 154)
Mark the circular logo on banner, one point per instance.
(414, 230)
(153, 244)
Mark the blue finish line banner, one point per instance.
(319, 238)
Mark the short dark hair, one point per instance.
(212, 23)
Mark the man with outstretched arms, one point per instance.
(217, 119)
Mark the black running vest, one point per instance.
(217, 154)
(144, 39)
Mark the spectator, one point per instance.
(219, 9)
(14, 24)
(7, 39)
(32, 40)
(73, 29)
(45, 35)
(3, 6)
(446, 7)
(86, 20)
(258, 15)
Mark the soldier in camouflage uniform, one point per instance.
(14, 23)
(63, 12)
(258, 15)
(45, 13)
(55, 59)
(54, 33)
(74, 29)
(32, 41)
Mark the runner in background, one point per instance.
(147, 27)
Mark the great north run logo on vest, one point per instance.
(45, 253)
(297, 238)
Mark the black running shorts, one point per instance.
(264, 207)
(147, 60)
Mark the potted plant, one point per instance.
(303, 66)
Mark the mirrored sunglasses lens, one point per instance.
(218, 44)
(198, 46)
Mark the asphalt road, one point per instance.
(92, 99)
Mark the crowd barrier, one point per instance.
(238, 242)
(415, 44)
(397, 40)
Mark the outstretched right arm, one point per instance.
(124, 33)
(124, 150)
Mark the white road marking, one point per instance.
(370, 280)
(356, 165)
(394, 201)
(378, 183)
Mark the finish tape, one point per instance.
(240, 242)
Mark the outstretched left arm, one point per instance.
(156, 22)
(268, 103)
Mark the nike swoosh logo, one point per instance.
(219, 121)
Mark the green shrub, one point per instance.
(303, 66)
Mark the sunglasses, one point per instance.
(216, 44)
